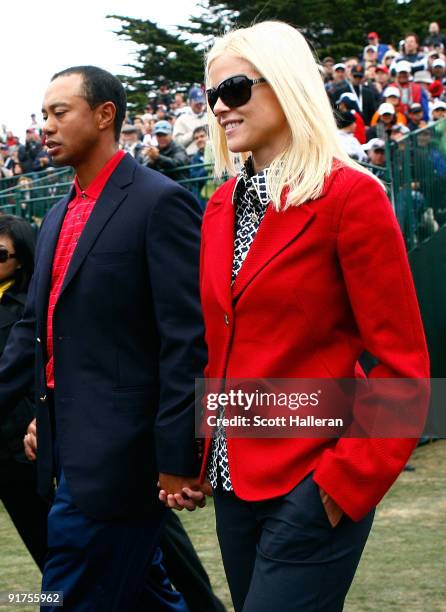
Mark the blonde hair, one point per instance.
(282, 56)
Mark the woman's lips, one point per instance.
(231, 126)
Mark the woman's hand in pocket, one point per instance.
(334, 512)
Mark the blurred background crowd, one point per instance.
(379, 95)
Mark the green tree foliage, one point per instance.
(162, 58)
(335, 27)
(214, 20)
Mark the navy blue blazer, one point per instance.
(128, 344)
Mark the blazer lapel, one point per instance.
(276, 232)
(52, 231)
(111, 197)
(219, 249)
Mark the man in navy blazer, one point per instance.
(127, 344)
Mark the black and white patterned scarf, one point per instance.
(251, 201)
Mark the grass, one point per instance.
(403, 568)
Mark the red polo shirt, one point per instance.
(78, 212)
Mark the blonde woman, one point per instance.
(303, 270)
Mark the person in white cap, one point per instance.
(424, 78)
(370, 55)
(439, 70)
(349, 102)
(387, 119)
(438, 110)
(339, 83)
(376, 154)
(409, 92)
(392, 95)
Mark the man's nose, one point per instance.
(48, 126)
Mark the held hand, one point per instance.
(30, 441)
(334, 512)
(180, 492)
(205, 487)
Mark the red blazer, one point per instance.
(322, 282)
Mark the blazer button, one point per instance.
(38, 339)
(42, 398)
(226, 319)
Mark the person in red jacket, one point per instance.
(303, 270)
(410, 92)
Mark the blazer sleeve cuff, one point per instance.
(177, 456)
(358, 486)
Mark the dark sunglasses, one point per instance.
(5, 255)
(234, 91)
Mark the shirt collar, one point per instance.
(94, 189)
(247, 179)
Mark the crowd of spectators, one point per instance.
(386, 92)
(18, 158)
(172, 136)
(380, 95)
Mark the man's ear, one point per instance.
(106, 114)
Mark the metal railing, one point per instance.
(414, 176)
(34, 194)
(417, 169)
(9, 183)
(31, 199)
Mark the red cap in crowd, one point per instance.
(372, 35)
(382, 69)
(436, 89)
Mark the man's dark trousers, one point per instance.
(105, 565)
